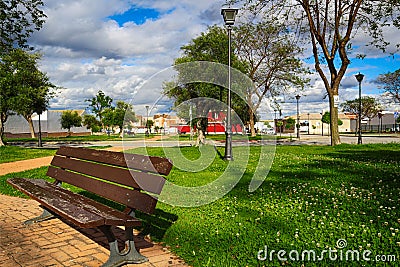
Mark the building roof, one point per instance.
(318, 116)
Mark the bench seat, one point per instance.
(131, 180)
(80, 210)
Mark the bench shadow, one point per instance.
(94, 234)
(153, 226)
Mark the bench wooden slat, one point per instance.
(82, 211)
(126, 160)
(146, 181)
(128, 179)
(131, 198)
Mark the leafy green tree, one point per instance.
(70, 119)
(329, 26)
(270, 53)
(98, 104)
(91, 123)
(206, 47)
(119, 116)
(23, 88)
(7, 92)
(123, 115)
(326, 118)
(390, 83)
(290, 122)
(33, 86)
(18, 20)
(369, 107)
(279, 124)
(108, 119)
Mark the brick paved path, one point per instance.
(55, 243)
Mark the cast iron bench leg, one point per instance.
(46, 215)
(128, 256)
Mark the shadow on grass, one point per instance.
(155, 224)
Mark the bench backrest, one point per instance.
(121, 177)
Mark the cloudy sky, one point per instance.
(118, 45)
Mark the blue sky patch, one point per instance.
(137, 15)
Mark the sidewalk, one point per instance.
(55, 243)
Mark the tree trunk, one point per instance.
(1, 133)
(200, 134)
(31, 128)
(3, 119)
(200, 137)
(251, 121)
(334, 126)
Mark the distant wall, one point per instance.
(45, 134)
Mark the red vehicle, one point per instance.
(183, 129)
(212, 128)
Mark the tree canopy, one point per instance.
(99, 104)
(24, 89)
(33, 86)
(18, 20)
(390, 83)
(270, 54)
(70, 119)
(263, 51)
(369, 107)
(329, 26)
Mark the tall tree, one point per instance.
(123, 115)
(32, 85)
(70, 119)
(18, 20)
(99, 103)
(7, 92)
(91, 123)
(270, 53)
(210, 46)
(330, 26)
(390, 83)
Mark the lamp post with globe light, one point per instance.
(229, 15)
(359, 78)
(298, 116)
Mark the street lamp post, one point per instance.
(147, 120)
(359, 78)
(40, 133)
(298, 117)
(380, 122)
(229, 15)
(308, 127)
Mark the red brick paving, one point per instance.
(56, 243)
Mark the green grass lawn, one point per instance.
(312, 197)
(12, 153)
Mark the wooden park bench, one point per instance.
(124, 178)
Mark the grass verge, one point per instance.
(313, 197)
(12, 153)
